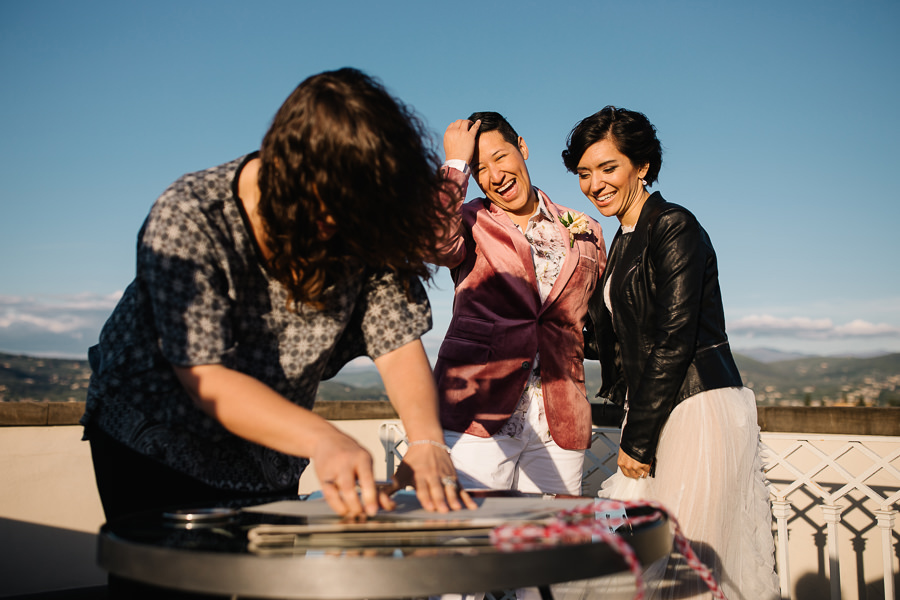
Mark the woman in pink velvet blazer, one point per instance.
(500, 323)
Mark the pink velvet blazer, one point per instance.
(499, 324)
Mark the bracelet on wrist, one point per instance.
(440, 445)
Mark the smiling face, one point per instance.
(611, 182)
(500, 171)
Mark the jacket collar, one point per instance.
(639, 237)
(648, 214)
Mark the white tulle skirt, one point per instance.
(709, 475)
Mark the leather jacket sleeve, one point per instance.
(675, 264)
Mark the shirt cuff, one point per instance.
(459, 165)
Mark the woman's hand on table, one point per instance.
(631, 467)
(348, 485)
(428, 468)
(345, 473)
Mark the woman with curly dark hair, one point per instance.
(255, 280)
(690, 438)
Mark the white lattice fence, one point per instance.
(843, 492)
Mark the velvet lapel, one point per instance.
(525, 264)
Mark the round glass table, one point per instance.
(232, 552)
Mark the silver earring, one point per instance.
(644, 182)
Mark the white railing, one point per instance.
(835, 490)
(854, 484)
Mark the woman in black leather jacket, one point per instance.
(690, 438)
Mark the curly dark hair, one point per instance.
(631, 132)
(342, 150)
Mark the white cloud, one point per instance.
(860, 328)
(53, 325)
(66, 326)
(806, 328)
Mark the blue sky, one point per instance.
(779, 122)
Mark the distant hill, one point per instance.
(770, 355)
(43, 379)
(337, 390)
(800, 381)
(29, 378)
(360, 377)
(808, 380)
(871, 381)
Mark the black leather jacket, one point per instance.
(666, 339)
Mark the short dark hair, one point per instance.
(632, 133)
(342, 147)
(493, 121)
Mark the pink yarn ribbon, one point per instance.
(582, 525)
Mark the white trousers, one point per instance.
(530, 462)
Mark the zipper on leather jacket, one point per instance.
(713, 347)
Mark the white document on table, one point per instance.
(490, 511)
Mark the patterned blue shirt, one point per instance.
(202, 296)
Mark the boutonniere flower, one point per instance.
(576, 223)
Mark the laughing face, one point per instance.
(500, 171)
(611, 182)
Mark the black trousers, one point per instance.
(130, 482)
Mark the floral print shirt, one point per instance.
(201, 296)
(548, 251)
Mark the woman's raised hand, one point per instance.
(459, 140)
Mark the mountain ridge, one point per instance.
(804, 380)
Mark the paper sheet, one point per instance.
(490, 509)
